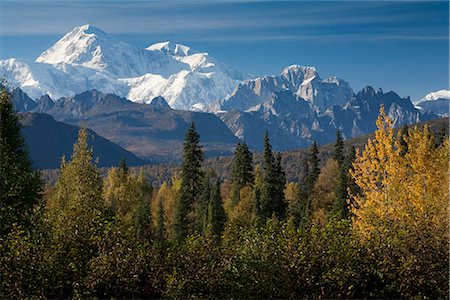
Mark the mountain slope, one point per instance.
(437, 102)
(48, 140)
(302, 81)
(153, 131)
(293, 124)
(88, 58)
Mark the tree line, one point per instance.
(371, 223)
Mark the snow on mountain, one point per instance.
(437, 102)
(59, 80)
(293, 123)
(90, 47)
(303, 81)
(441, 94)
(88, 58)
(171, 49)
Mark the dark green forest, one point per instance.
(369, 222)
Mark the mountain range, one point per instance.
(437, 102)
(154, 132)
(87, 58)
(143, 100)
(48, 140)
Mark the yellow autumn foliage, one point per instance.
(401, 195)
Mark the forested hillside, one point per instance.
(348, 221)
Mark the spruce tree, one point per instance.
(272, 193)
(216, 213)
(441, 135)
(191, 179)
(123, 167)
(403, 143)
(352, 186)
(141, 192)
(201, 214)
(338, 154)
(20, 184)
(298, 208)
(313, 167)
(241, 171)
(303, 209)
(343, 184)
(280, 205)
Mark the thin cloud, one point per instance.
(161, 17)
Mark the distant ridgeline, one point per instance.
(144, 99)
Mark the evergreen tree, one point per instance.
(191, 179)
(202, 205)
(20, 185)
(241, 171)
(280, 205)
(338, 154)
(303, 209)
(313, 167)
(402, 140)
(272, 193)
(441, 135)
(345, 182)
(216, 213)
(123, 167)
(141, 192)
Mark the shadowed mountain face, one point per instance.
(22, 102)
(438, 106)
(155, 131)
(48, 140)
(293, 122)
(148, 130)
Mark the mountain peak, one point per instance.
(160, 103)
(306, 71)
(80, 45)
(89, 29)
(369, 90)
(297, 74)
(172, 48)
(441, 94)
(296, 67)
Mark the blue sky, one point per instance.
(396, 45)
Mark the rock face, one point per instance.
(87, 58)
(293, 122)
(22, 102)
(302, 81)
(48, 140)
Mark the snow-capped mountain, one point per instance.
(441, 94)
(303, 81)
(437, 102)
(293, 124)
(88, 58)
